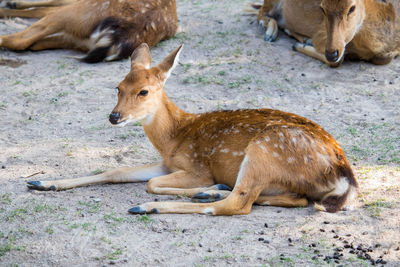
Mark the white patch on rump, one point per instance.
(341, 186)
(242, 169)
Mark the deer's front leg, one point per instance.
(185, 183)
(120, 175)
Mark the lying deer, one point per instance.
(268, 157)
(105, 29)
(362, 29)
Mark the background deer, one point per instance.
(330, 29)
(105, 29)
(268, 157)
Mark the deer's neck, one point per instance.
(163, 128)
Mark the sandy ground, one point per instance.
(53, 125)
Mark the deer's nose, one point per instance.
(114, 117)
(332, 56)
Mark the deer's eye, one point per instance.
(351, 10)
(143, 93)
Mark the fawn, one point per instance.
(330, 29)
(268, 157)
(104, 29)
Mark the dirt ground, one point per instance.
(53, 125)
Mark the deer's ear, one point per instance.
(141, 57)
(170, 62)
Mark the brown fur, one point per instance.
(268, 157)
(119, 25)
(371, 32)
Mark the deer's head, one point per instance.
(343, 19)
(140, 94)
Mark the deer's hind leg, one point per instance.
(284, 200)
(36, 13)
(254, 175)
(265, 19)
(31, 4)
(187, 184)
(46, 26)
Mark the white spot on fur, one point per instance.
(275, 155)
(190, 146)
(291, 159)
(208, 211)
(262, 148)
(225, 150)
(1, 41)
(275, 145)
(267, 139)
(242, 169)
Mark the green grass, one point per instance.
(145, 219)
(375, 207)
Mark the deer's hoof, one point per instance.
(141, 210)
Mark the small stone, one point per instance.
(112, 262)
(3, 166)
(326, 222)
(352, 252)
(335, 236)
(364, 233)
(278, 211)
(96, 199)
(316, 251)
(303, 74)
(377, 245)
(291, 245)
(313, 245)
(290, 240)
(266, 225)
(266, 241)
(336, 261)
(261, 233)
(322, 230)
(156, 199)
(261, 239)
(184, 230)
(333, 231)
(200, 245)
(348, 235)
(209, 250)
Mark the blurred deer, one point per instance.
(330, 29)
(268, 157)
(104, 29)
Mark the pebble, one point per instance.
(200, 245)
(266, 225)
(290, 240)
(96, 199)
(278, 211)
(209, 250)
(364, 233)
(266, 241)
(326, 222)
(112, 262)
(335, 236)
(313, 245)
(3, 166)
(261, 239)
(322, 230)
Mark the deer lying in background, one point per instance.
(361, 29)
(105, 29)
(268, 157)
